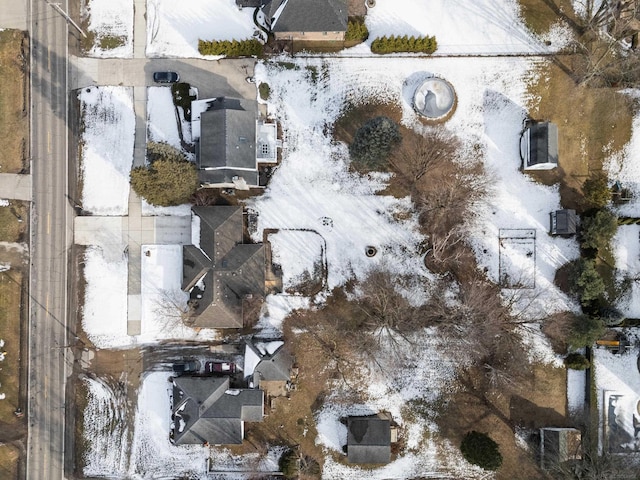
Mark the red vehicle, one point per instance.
(219, 367)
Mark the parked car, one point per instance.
(219, 367)
(190, 366)
(166, 77)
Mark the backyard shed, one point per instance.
(558, 445)
(563, 222)
(539, 146)
(369, 439)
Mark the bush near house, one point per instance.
(479, 449)
(576, 361)
(372, 143)
(233, 48)
(169, 179)
(596, 191)
(410, 44)
(598, 230)
(357, 31)
(264, 90)
(586, 282)
(585, 331)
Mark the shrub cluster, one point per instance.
(479, 449)
(233, 48)
(373, 142)
(265, 90)
(412, 44)
(576, 361)
(356, 31)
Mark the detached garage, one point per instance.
(539, 146)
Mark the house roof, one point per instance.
(559, 445)
(563, 222)
(206, 410)
(307, 15)
(223, 270)
(267, 361)
(543, 144)
(228, 139)
(368, 440)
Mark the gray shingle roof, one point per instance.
(309, 16)
(272, 367)
(227, 139)
(543, 143)
(232, 270)
(368, 440)
(206, 411)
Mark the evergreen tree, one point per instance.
(373, 142)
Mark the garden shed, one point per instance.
(539, 146)
(563, 222)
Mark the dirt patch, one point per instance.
(540, 15)
(9, 459)
(14, 221)
(593, 124)
(536, 400)
(14, 120)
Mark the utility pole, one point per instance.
(56, 7)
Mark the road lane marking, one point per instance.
(49, 141)
(48, 223)
(46, 304)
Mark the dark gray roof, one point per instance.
(228, 136)
(563, 222)
(205, 410)
(368, 440)
(227, 269)
(272, 366)
(309, 15)
(543, 143)
(559, 445)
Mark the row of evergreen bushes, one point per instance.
(230, 48)
(356, 31)
(411, 44)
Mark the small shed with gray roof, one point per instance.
(219, 271)
(206, 410)
(539, 146)
(559, 445)
(563, 222)
(368, 439)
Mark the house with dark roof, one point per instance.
(268, 366)
(231, 142)
(206, 410)
(309, 20)
(219, 271)
(369, 439)
(559, 445)
(563, 222)
(539, 146)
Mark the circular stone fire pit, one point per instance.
(434, 98)
(370, 251)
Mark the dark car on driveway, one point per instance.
(165, 77)
(189, 366)
(219, 367)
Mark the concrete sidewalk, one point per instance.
(13, 14)
(15, 187)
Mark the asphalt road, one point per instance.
(50, 241)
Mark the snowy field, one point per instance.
(306, 247)
(174, 30)
(111, 18)
(625, 167)
(626, 251)
(618, 394)
(161, 117)
(108, 133)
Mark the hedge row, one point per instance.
(233, 48)
(356, 31)
(412, 44)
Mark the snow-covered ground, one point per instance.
(173, 30)
(163, 126)
(108, 133)
(308, 247)
(111, 18)
(576, 390)
(626, 251)
(480, 27)
(618, 394)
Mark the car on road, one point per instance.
(165, 77)
(189, 366)
(219, 367)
